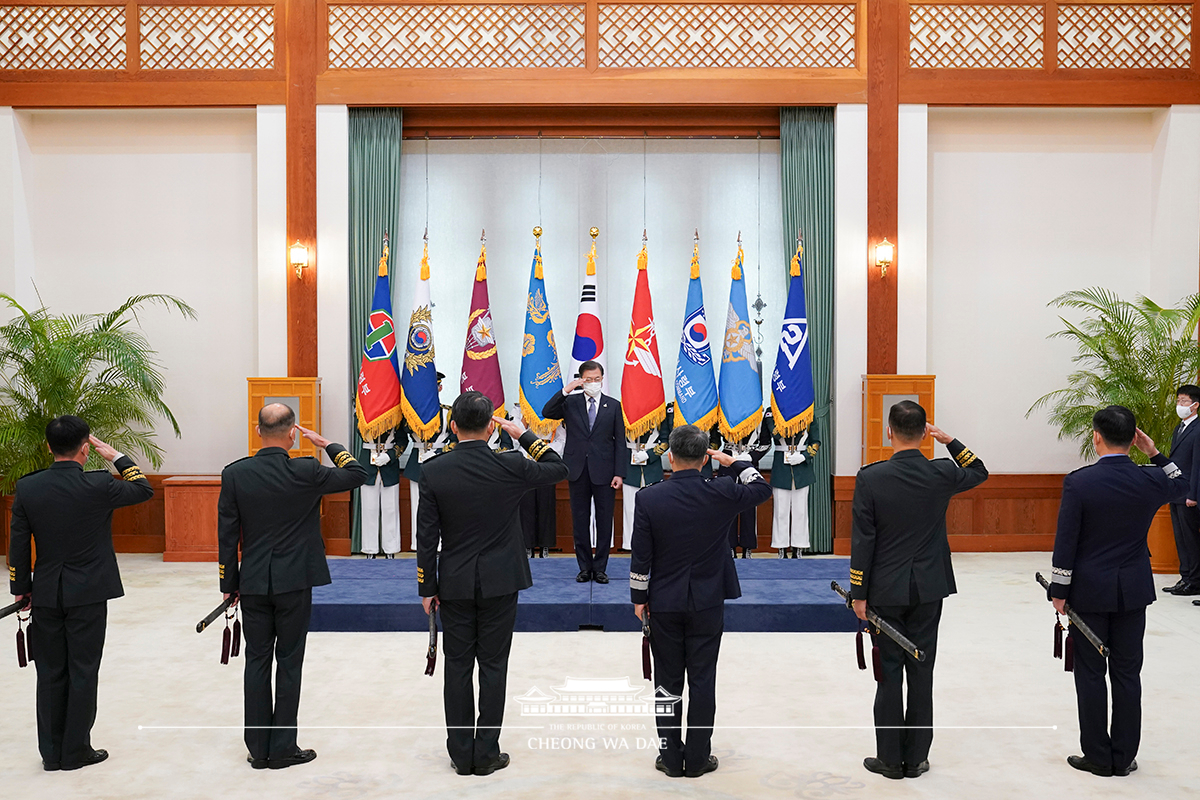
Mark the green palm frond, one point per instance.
(1133, 354)
(98, 366)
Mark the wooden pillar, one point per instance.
(302, 26)
(883, 131)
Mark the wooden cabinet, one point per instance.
(191, 517)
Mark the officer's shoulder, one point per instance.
(30, 475)
(1089, 466)
(866, 467)
(235, 462)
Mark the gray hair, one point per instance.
(689, 443)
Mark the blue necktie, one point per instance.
(591, 412)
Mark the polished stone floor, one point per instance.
(793, 710)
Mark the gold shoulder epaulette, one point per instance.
(343, 458)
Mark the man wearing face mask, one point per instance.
(1185, 516)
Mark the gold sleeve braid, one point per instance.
(133, 473)
(221, 569)
(856, 577)
(965, 458)
(661, 448)
(538, 449)
(342, 459)
(12, 573)
(420, 575)
(813, 448)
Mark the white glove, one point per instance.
(374, 459)
(424, 454)
(382, 459)
(794, 458)
(742, 457)
(639, 457)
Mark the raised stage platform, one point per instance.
(777, 595)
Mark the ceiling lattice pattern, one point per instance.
(975, 37)
(207, 37)
(1125, 36)
(62, 37)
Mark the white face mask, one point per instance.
(1183, 411)
(592, 389)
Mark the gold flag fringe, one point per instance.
(373, 429)
(647, 423)
(696, 261)
(705, 423)
(425, 431)
(734, 433)
(737, 264)
(383, 259)
(793, 426)
(544, 428)
(591, 259)
(481, 267)
(425, 263)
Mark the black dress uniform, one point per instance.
(900, 564)
(470, 500)
(1185, 519)
(743, 531)
(595, 453)
(270, 505)
(681, 567)
(1102, 570)
(67, 512)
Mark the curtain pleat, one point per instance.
(806, 160)
(375, 137)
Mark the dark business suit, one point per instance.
(1102, 569)
(67, 512)
(594, 454)
(270, 504)
(900, 564)
(470, 504)
(681, 567)
(1185, 519)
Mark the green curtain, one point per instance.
(806, 141)
(375, 136)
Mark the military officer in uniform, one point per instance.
(645, 468)
(681, 570)
(421, 452)
(1102, 568)
(270, 508)
(792, 474)
(900, 567)
(743, 531)
(379, 523)
(470, 507)
(67, 513)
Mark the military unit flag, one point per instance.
(740, 384)
(695, 380)
(589, 332)
(541, 375)
(377, 400)
(418, 378)
(792, 397)
(643, 402)
(481, 363)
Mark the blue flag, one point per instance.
(695, 378)
(418, 379)
(740, 384)
(792, 398)
(541, 376)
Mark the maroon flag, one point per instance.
(481, 364)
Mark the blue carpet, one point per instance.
(777, 595)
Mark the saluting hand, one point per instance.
(509, 426)
(1144, 443)
(314, 437)
(573, 385)
(937, 434)
(724, 459)
(106, 452)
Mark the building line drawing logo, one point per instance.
(612, 697)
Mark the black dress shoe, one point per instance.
(664, 769)
(709, 766)
(583, 577)
(1187, 590)
(893, 771)
(95, 758)
(51, 766)
(1171, 589)
(500, 762)
(600, 577)
(911, 771)
(1196, 602)
(299, 757)
(1083, 765)
(1122, 773)
(256, 763)
(462, 770)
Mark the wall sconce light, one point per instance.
(298, 256)
(885, 252)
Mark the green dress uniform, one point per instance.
(792, 473)
(379, 515)
(645, 468)
(421, 452)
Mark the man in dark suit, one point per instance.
(470, 504)
(682, 569)
(1102, 568)
(270, 504)
(900, 565)
(1185, 515)
(597, 458)
(67, 512)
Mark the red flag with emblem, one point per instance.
(481, 364)
(643, 400)
(377, 403)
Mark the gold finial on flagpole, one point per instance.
(594, 232)
(537, 231)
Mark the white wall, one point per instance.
(1025, 204)
(850, 342)
(912, 212)
(333, 272)
(129, 202)
(271, 226)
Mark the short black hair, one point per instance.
(275, 423)
(587, 365)
(1191, 390)
(689, 444)
(907, 420)
(66, 434)
(472, 411)
(1116, 425)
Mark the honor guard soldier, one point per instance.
(792, 474)
(470, 510)
(900, 567)
(645, 468)
(743, 532)
(379, 526)
(67, 513)
(682, 572)
(270, 509)
(1102, 569)
(421, 452)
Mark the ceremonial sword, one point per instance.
(431, 653)
(14, 608)
(1087, 632)
(882, 625)
(216, 612)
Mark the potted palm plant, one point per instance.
(1130, 353)
(96, 366)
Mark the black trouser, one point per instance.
(276, 628)
(743, 531)
(480, 630)
(538, 518)
(67, 644)
(1123, 632)
(687, 641)
(1185, 521)
(583, 492)
(904, 730)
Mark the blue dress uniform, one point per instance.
(67, 512)
(743, 531)
(379, 518)
(645, 468)
(900, 564)
(681, 568)
(1185, 519)
(1102, 569)
(792, 474)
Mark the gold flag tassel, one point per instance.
(425, 263)
(481, 267)
(591, 259)
(802, 421)
(383, 259)
(537, 253)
